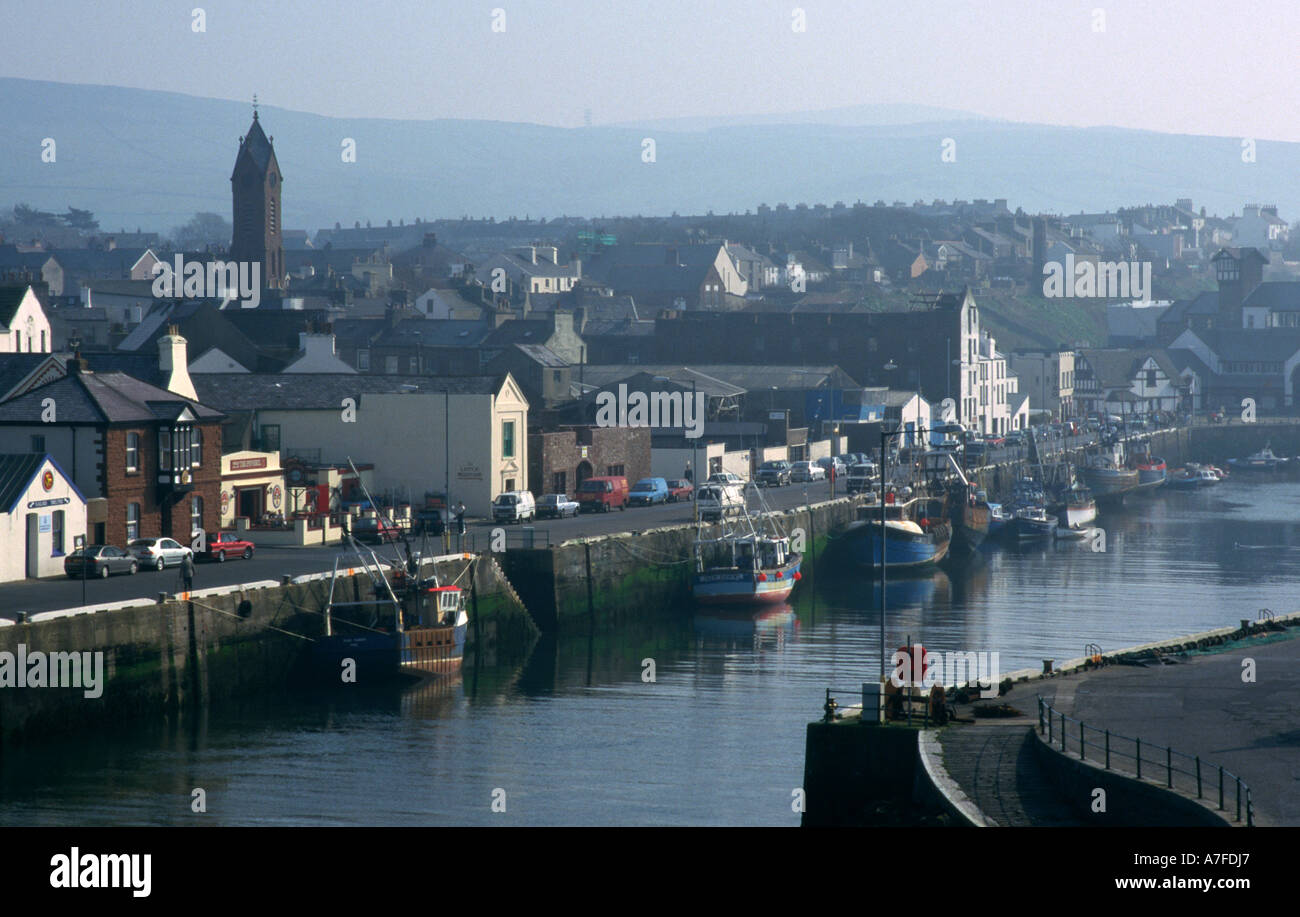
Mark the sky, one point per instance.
(1190, 67)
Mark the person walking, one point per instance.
(187, 571)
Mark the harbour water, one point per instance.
(574, 734)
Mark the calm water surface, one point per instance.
(574, 736)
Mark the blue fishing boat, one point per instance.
(907, 543)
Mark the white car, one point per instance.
(718, 500)
(158, 552)
(725, 477)
(807, 471)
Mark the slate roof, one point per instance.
(543, 355)
(725, 379)
(256, 146)
(101, 398)
(11, 297)
(1275, 295)
(233, 392)
(1254, 344)
(1119, 367)
(16, 473)
(15, 367)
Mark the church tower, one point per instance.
(255, 190)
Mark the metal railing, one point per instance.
(1175, 770)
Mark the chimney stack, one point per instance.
(174, 365)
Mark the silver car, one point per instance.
(158, 552)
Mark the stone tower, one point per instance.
(255, 191)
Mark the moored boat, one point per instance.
(1263, 460)
(1107, 478)
(1034, 522)
(742, 563)
(905, 544)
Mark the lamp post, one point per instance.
(884, 546)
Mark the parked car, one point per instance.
(995, 441)
(827, 463)
(774, 474)
(430, 521)
(556, 506)
(101, 560)
(861, 477)
(220, 545)
(725, 477)
(718, 500)
(1016, 438)
(158, 552)
(600, 495)
(375, 530)
(648, 492)
(807, 472)
(680, 489)
(514, 506)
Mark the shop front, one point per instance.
(252, 487)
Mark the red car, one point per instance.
(220, 545)
(995, 441)
(680, 490)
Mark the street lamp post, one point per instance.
(884, 545)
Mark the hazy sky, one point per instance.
(1191, 66)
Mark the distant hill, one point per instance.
(153, 159)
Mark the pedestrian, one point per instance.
(687, 475)
(460, 519)
(187, 571)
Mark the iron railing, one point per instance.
(1175, 770)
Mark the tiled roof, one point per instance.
(1275, 295)
(16, 473)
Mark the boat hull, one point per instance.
(901, 551)
(1027, 529)
(1108, 482)
(743, 587)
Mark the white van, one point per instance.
(718, 500)
(514, 506)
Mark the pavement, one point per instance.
(1198, 704)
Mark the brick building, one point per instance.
(560, 461)
(152, 454)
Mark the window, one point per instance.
(196, 447)
(390, 365)
(363, 360)
(1151, 378)
(559, 480)
(132, 521)
(510, 484)
(38, 445)
(556, 376)
(196, 516)
(415, 366)
(164, 449)
(132, 452)
(614, 471)
(271, 437)
(508, 441)
(56, 532)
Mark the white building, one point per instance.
(23, 325)
(422, 434)
(42, 513)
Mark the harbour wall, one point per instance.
(169, 657)
(636, 573)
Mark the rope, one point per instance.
(237, 617)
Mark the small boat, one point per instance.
(1194, 477)
(1263, 460)
(1034, 522)
(998, 519)
(743, 563)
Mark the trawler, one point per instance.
(741, 562)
